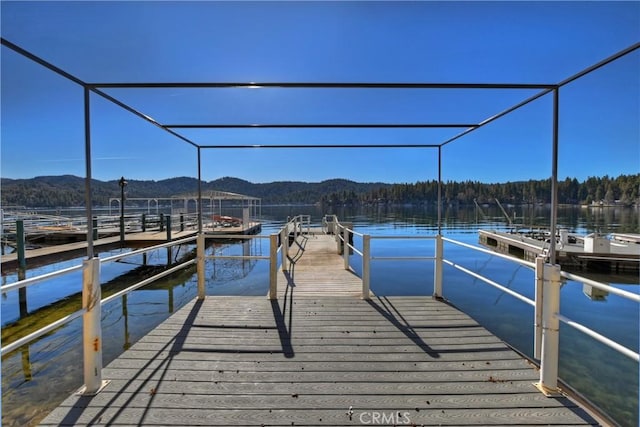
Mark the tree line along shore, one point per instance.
(68, 190)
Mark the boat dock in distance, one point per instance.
(619, 253)
(318, 353)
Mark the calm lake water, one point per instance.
(38, 377)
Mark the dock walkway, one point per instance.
(315, 358)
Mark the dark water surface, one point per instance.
(38, 377)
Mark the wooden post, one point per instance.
(144, 222)
(273, 266)
(181, 222)
(168, 228)
(91, 327)
(437, 271)
(200, 265)
(94, 228)
(161, 222)
(20, 244)
(550, 330)
(366, 265)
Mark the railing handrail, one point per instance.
(148, 281)
(578, 326)
(490, 252)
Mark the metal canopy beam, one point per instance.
(323, 126)
(318, 85)
(325, 146)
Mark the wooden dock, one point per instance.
(312, 357)
(317, 270)
(599, 254)
(61, 252)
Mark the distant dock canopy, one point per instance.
(213, 202)
(619, 253)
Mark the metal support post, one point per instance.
(284, 238)
(91, 327)
(366, 265)
(550, 331)
(273, 266)
(537, 331)
(437, 271)
(200, 250)
(345, 247)
(168, 228)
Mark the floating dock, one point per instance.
(319, 355)
(592, 253)
(55, 253)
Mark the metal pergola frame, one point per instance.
(543, 89)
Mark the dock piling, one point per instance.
(20, 244)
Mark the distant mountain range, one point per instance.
(68, 190)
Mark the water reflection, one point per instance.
(37, 377)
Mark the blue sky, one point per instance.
(453, 42)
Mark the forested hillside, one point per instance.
(67, 190)
(624, 190)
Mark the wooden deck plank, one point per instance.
(317, 269)
(206, 366)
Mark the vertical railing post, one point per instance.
(537, 330)
(168, 228)
(550, 330)
(284, 238)
(181, 222)
(144, 222)
(161, 222)
(366, 265)
(345, 247)
(200, 265)
(437, 271)
(337, 233)
(91, 327)
(273, 266)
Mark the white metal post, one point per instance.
(550, 330)
(537, 332)
(273, 266)
(345, 247)
(437, 271)
(284, 238)
(366, 265)
(200, 265)
(91, 327)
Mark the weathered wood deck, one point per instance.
(48, 254)
(312, 359)
(317, 269)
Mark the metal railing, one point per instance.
(547, 284)
(91, 307)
